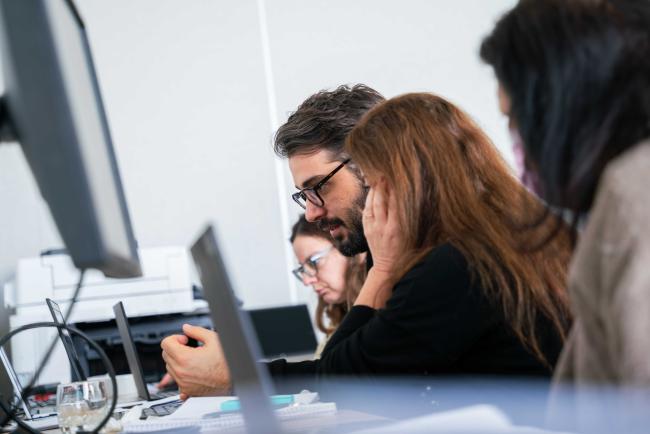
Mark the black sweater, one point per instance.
(438, 321)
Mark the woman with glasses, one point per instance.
(335, 279)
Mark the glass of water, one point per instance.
(82, 405)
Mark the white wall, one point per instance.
(187, 98)
(393, 46)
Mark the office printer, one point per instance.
(163, 294)
(158, 304)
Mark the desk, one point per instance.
(341, 422)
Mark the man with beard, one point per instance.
(331, 191)
(330, 187)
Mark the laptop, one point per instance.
(78, 373)
(36, 417)
(251, 381)
(133, 360)
(135, 366)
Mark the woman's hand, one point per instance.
(381, 227)
(382, 231)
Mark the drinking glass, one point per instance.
(82, 405)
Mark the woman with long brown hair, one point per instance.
(441, 197)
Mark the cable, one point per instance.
(107, 363)
(28, 388)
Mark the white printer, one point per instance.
(164, 288)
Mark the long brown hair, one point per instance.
(355, 274)
(452, 185)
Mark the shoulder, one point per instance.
(440, 289)
(621, 209)
(442, 274)
(633, 161)
(443, 261)
(616, 237)
(627, 177)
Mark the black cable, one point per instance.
(28, 388)
(96, 347)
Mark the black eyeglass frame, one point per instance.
(297, 196)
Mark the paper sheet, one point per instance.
(477, 418)
(196, 408)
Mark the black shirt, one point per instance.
(438, 321)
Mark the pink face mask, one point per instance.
(526, 176)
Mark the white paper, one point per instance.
(477, 418)
(196, 408)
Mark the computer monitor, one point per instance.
(53, 107)
(284, 331)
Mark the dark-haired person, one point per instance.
(336, 279)
(312, 139)
(575, 82)
(448, 293)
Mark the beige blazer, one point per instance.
(609, 281)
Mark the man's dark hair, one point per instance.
(578, 76)
(324, 120)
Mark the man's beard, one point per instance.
(355, 242)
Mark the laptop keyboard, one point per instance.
(163, 394)
(161, 409)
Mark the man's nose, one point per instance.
(314, 213)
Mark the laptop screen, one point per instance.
(131, 351)
(14, 382)
(284, 331)
(251, 381)
(66, 340)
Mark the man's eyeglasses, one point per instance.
(309, 268)
(311, 193)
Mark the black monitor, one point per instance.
(284, 330)
(53, 107)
